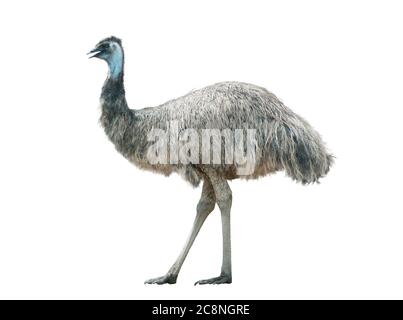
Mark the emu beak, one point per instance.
(94, 53)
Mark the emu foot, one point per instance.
(222, 279)
(168, 278)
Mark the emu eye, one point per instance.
(103, 46)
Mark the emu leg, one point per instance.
(204, 208)
(224, 200)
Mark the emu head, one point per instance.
(111, 51)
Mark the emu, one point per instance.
(283, 141)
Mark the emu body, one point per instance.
(284, 141)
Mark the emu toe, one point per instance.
(222, 279)
(162, 280)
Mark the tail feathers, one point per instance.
(300, 151)
(307, 165)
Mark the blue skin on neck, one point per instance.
(115, 63)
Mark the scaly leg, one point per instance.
(204, 208)
(223, 196)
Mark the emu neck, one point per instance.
(113, 91)
(116, 117)
(115, 63)
(113, 99)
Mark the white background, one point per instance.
(79, 221)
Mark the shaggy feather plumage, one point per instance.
(285, 141)
(282, 141)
